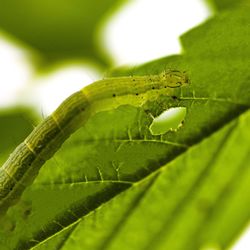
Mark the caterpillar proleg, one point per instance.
(24, 163)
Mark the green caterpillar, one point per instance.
(24, 163)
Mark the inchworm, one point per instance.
(24, 163)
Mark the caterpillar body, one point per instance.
(24, 163)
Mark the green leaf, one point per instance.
(115, 185)
(58, 30)
(202, 203)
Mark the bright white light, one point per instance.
(19, 86)
(243, 242)
(15, 70)
(148, 29)
(170, 119)
(49, 91)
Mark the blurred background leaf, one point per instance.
(15, 125)
(221, 5)
(58, 30)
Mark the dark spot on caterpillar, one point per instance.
(13, 227)
(27, 212)
(133, 80)
(114, 95)
(174, 97)
(153, 87)
(8, 225)
(165, 87)
(136, 94)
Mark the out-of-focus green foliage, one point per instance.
(221, 5)
(58, 30)
(182, 190)
(15, 125)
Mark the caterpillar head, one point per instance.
(174, 78)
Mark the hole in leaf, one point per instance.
(171, 119)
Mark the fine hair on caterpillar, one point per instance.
(24, 163)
